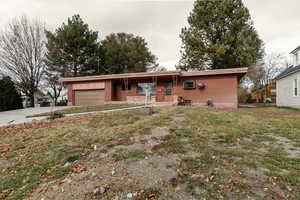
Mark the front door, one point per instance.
(168, 91)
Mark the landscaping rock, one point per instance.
(145, 111)
(129, 195)
(67, 164)
(99, 190)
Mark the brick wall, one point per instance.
(222, 90)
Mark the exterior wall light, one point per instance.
(201, 86)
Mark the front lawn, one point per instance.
(83, 109)
(177, 153)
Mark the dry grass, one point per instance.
(238, 153)
(224, 153)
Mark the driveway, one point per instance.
(19, 116)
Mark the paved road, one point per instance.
(19, 116)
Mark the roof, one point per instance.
(239, 71)
(119, 76)
(295, 50)
(288, 71)
(216, 72)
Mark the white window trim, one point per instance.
(294, 87)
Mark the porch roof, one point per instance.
(239, 71)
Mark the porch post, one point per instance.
(175, 85)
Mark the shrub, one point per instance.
(55, 115)
(73, 158)
(10, 99)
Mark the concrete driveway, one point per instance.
(19, 116)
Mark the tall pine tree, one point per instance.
(124, 52)
(73, 49)
(220, 35)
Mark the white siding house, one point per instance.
(288, 83)
(288, 93)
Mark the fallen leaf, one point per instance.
(289, 188)
(3, 196)
(78, 168)
(4, 150)
(130, 180)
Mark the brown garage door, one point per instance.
(89, 97)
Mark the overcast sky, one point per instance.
(159, 21)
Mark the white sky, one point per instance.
(158, 21)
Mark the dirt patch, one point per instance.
(123, 169)
(288, 146)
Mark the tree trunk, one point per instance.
(31, 98)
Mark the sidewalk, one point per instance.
(15, 120)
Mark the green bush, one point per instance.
(73, 158)
(56, 115)
(10, 99)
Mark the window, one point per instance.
(295, 87)
(189, 84)
(124, 87)
(143, 88)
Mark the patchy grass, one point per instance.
(239, 153)
(222, 153)
(37, 153)
(84, 109)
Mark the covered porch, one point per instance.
(154, 89)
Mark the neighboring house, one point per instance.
(39, 97)
(288, 83)
(199, 87)
(264, 94)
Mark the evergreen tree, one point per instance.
(73, 49)
(123, 53)
(220, 35)
(10, 99)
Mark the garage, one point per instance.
(88, 97)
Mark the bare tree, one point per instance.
(265, 71)
(22, 54)
(53, 86)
